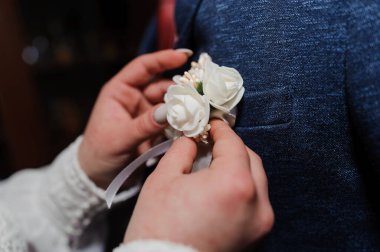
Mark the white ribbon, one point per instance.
(119, 180)
(202, 161)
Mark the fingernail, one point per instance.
(159, 114)
(186, 51)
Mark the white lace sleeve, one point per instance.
(11, 239)
(153, 246)
(57, 207)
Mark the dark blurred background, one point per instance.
(54, 58)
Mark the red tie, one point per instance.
(166, 24)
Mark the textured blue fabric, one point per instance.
(149, 40)
(311, 109)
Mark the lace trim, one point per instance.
(153, 246)
(72, 199)
(10, 237)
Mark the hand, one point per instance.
(123, 115)
(222, 208)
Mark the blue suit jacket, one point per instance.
(311, 109)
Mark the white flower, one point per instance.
(222, 85)
(205, 84)
(195, 75)
(188, 111)
(204, 58)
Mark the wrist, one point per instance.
(93, 166)
(102, 169)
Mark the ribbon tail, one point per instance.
(204, 156)
(119, 180)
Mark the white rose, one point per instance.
(204, 58)
(222, 85)
(188, 111)
(195, 74)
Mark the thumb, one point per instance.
(148, 124)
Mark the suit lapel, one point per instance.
(185, 13)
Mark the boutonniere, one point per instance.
(207, 90)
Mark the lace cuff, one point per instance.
(71, 197)
(10, 237)
(153, 246)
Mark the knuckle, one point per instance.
(130, 93)
(143, 125)
(241, 188)
(267, 221)
(256, 157)
(265, 182)
(124, 94)
(217, 128)
(146, 62)
(106, 89)
(245, 190)
(149, 91)
(139, 60)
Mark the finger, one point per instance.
(258, 172)
(144, 147)
(142, 69)
(147, 125)
(131, 99)
(179, 158)
(229, 150)
(155, 92)
(143, 106)
(262, 202)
